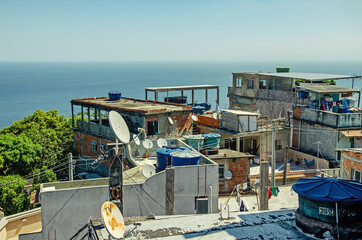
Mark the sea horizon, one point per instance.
(28, 86)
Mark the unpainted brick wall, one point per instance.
(184, 122)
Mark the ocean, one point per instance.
(26, 87)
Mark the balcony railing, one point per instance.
(331, 119)
(96, 129)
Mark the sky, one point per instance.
(188, 30)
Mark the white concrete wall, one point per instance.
(77, 205)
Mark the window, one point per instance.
(251, 84)
(94, 146)
(262, 84)
(356, 175)
(221, 171)
(239, 81)
(152, 127)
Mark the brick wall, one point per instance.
(239, 168)
(184, 122)
(208, 121)
(349, 163)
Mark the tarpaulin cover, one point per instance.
(211, 135)
(329, 189)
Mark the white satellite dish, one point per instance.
(113, 219)
(161, 142)
(148, 144)
(148, 171)
(136, 139)
(228, 175)
(119, 127)
(170, 120)
(194, 118)
(214, 115)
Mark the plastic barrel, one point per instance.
(164, 158)
(195, 141)
(114, 95)
(212, 140)
(184, 158)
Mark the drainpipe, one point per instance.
(210, 198)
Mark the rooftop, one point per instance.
(131, 105)
(228, 153)
(180, 88)
(309, 76)
(278, 221)
(324, 88)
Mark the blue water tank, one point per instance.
(198, 109)
(164, 158)
(207, 106)
(114, 95)
(184, 158)
(212, 140)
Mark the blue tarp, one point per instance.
(308, 164)
(329, 189)
(211, 135)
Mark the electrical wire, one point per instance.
(60, 209)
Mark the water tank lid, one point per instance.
(185, 154)
(196, 137)
(211, 135)
(329, 189)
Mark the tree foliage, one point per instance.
(51, 131)
(18, 155)
(13, 196)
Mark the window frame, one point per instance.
(250, 83)
(94, 146)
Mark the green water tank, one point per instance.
(282, 69)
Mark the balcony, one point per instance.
(330, 119)
(96, 129)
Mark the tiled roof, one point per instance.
(352, 133)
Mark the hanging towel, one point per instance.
(269, 193)
(245, 186)
(243, 207)
(334, 104)
(274, 191)
(344, 104)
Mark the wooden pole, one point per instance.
(264, 178)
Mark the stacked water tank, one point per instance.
(211, 141)
(179, 156)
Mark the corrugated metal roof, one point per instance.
(324, 88)
(309, 76)
(352, 133)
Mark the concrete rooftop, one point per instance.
(277, 223)
(324, 88)
(131, 105)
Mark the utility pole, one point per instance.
(70, 166)
(273, 155)
(264, 179)
(285, 165)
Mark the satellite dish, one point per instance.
(148, 171)
(170, 120)
(148, 144)
(194, 118)
(161, 142)
(136, 139)
(119, 127)
(214, 115)
(228, 175)
(113, 219)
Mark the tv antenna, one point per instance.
(161, 142)
(228, 175)
(113, 220)
(119, 127)
(136, 139)
(170, 120)
(148, 171)
(147, 143)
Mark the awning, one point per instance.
(329, 189)
(352, 133)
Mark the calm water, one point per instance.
(26, 87)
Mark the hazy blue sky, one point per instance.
(251, 30)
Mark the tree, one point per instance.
(42, 175)
(51, 131)
(18, 155)
(13, 196)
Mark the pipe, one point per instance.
(210, 198)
